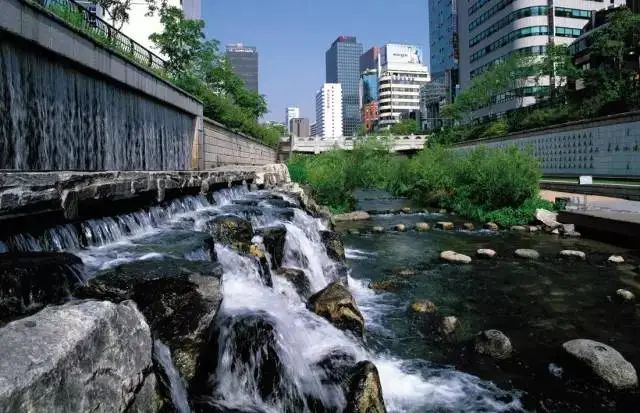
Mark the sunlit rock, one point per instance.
(616, 259)
(625, 295)
(454, 257)
(444, 225)
(486, 253)
(364, 390)
(604, 362)
(422, 227)
(527, 254)
(336, 304)
(298, 279)
(573, 254)
(333, 244)
(352, 216)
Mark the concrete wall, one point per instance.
(220, 146)
(607, 146)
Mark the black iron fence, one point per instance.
(86, 20)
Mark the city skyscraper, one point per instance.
(370, 59)
(300, 127)
(343, 67)
(292, 112)
(490, 32)
(244, 61)
(402, 76)
(329, 111)
(443, 33)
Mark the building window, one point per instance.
(508, 38)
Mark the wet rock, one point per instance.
(364, 390)
(532, 228)
(179, 299)
(231, 230)
(423, 307)
(449, 326)
(492, 226)
(406, 210)
(389, 284)
(604, 362)
(333, 244)
(442, 211)
(616, 259)
(148, 399)
(80, 357)
(556, 231)
(454, 257)
(527, 254)
(573, 254)
(336, 304)
(445, 225)
(548, 218)
(337, 367)
(486, 253)
(625, 295)
(493, 343)
(468, 226)
(352, 216)
(274, 239)
(519, 228)
(377, 230)
(354, 231)
(32, 280)
(298, 279)
(400, 227)
(422, 227)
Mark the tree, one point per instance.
(118, 10)
(405, 127)
(182, 41)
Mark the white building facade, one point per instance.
(402, 76)
(491, 30)
(329, 120)
(292, 112)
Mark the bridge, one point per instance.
(318, 144)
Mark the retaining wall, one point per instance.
(607, 146)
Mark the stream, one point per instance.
(539, 305)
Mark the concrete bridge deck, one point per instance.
(317, 144)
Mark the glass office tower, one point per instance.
(244, 61)
(343, 66)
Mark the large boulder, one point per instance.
(364, 394)
(604, 362)
(493, 343)
(179, 299)
(333, 244)
(80, 357)
(274, 239)
(298, 279)
(32, 280)
(336, 304)
(231, 230)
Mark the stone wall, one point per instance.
(220, 146)
(608, 146)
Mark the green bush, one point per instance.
(499, 185)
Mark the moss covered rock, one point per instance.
(336, 304)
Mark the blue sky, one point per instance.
(293, 35)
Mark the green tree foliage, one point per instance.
(197, 66)
(485, 184)
(405, 127)
(118, 10)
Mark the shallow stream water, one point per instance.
(538, 304)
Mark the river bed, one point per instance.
(538, 304)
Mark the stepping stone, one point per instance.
(616, 259)
(422, 227)
(454, 257)
(527, 253)
(491, 226)
(445, 225)
(485, 253)
(573, 254)
(468, 226)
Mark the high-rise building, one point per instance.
(343, 67)
(313, 129)
(141, 24)
(300, 127)
(490, 32)
(329, 110)
(370, 60)
(402, 75)
(292, 112)
(443, 34)
(369, 84)
(244, 61)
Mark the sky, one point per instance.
(292, 37)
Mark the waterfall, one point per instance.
(273, 354)
(55, 117)
(173, 381)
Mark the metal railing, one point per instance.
(86, 20)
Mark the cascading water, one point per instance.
(273, 352)
(55, 117)
(175, 383)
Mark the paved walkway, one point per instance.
(598, 206)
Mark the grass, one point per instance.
(499, 185)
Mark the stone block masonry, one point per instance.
(603, 147)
